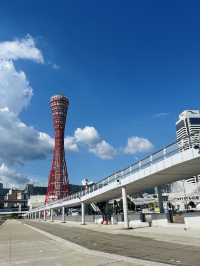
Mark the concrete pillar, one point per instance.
(39, 215)
(125, 207)
(82, 213)
(20, 207)
(35, 215)
(63, 214)
(158, 191)
(44, 212)
(51, 214)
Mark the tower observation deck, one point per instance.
(58, 183)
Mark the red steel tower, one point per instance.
(58, 183)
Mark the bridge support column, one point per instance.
(44, 213)
(125, 207)
(82, 213)
(63, 214)
(51, 214)
(158, 191)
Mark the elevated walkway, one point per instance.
(170, 164)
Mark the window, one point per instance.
(195, 121)
(180, 125)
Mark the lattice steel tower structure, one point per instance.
(58, 183)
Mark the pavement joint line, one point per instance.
(108, 263)
(87, 251)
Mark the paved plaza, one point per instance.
(173, 233)
(163, 248)
(23, 246)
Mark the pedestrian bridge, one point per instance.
(11, 212)
(172, 163)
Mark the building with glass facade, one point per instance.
(188, 128)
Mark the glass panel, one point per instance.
(194, 121)
(180, 125)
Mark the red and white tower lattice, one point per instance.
(58, 183)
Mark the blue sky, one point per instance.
(121, 63)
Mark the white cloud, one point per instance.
(137, 144)
(15, 91)
(103, 150)
(87, 135)
(70, 144)
(21, 49)
(19, 142)
(11, 177)
(46, 138)
(90, 138)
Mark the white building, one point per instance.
(187, 130)
(36, 201)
